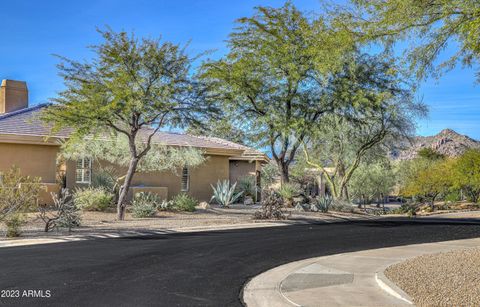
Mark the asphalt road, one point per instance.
(194, 269)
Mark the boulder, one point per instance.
(313, 208)
(248, 201)
(203, 205)
(299, 208)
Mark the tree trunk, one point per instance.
(432, 204)
(121, 204)
(284, 175)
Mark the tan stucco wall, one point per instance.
(215, 168)
(33, 160)
(239, 169)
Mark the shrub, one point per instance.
(323, 203)
(225, 194)
(269, 174)
(145, 204)
(409, 209)
(453, 196)
(18, 193)
(183, 202)
(341, 206)
(288, 191)
(65, 213)
(165, 205)
(247, 186)
(14, 222)
(93, 199)
(272, 204)
(104, 178)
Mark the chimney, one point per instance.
(13, 96)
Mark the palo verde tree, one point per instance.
(132, 87)
(274, 76)
(429, 179)
(378, 110)
(466, 174)
(427, 25)
(372, 181)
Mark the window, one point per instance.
(185, 179)
(84, 170)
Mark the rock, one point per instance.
(248, 201)
(299, 208)
(203, 205)
(313, 208)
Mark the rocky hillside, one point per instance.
(447, 142)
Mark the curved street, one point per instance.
(195, 269)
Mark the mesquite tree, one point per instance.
(428, 27)
(274, 76)
(132, 87)
(380, 113)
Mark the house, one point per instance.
(26, 142)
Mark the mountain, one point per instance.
(447, 142)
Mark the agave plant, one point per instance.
(225, 194)
(324, 203)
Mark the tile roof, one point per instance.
(27, 122)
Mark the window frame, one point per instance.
(186, 175)
(83, 170)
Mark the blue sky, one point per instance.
(34, 30)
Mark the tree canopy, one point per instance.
(380, 111)
(466, 175)
(274, 75)
(428, 26)
(132, 87)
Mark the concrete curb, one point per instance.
(388, 286)
(131, 233)
(370, 286)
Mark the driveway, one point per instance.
(194, 269)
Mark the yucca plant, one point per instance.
(225, 194)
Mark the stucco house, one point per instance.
(27, 143)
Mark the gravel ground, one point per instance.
(444, 279)
(101, 222)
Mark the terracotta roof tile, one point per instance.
(27, 122)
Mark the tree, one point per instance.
(380, 111)
(221, 128)
(429, 179)
(372, 181)
(274, 75)
(430, 154)
(18, 193)
(132, 88)
(467, 174)
(429, 25)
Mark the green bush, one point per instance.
(453, 196)
(104, 178)
(14, 222)
(409, 209)
(288, 191)
(341, 206)
(246, 185)
(183, 202)
(93, 199)
(145, 204)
